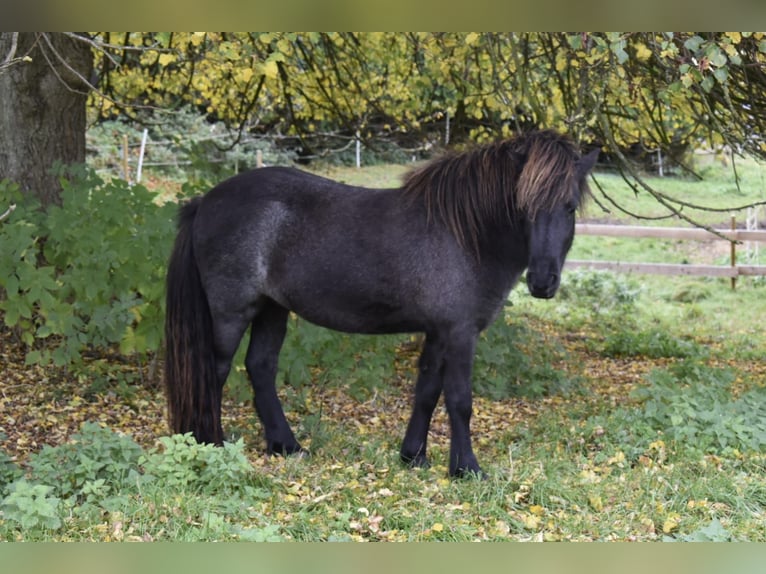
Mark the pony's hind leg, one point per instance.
(227, 333)
(267, 334)
(427, 391)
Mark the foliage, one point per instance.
(99, 472)
(653, 343)
(361, 362)
(95, 463)
(180, 463)
(599, 292)
(713, 532)
(693, 404)
(90, 273)
(653, 84)
(635, 94)
(183, 144)
(31, 506)
(587, 295)
(513, 360)
(9, 471)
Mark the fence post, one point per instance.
(141, 155)
(125, 174)
(258, 158)
(733, 252)
(358, 150)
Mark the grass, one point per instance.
(601, 453)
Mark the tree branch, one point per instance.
(11, 59)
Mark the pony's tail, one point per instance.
(193, 393)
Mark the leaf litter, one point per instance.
(354, 486)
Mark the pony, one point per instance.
(438, 255)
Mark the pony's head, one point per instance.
(535, 181)
(552, 186)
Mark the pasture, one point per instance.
(627, 408)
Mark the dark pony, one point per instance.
(438, 255)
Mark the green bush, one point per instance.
(694, 405)
(31, 506)
(9, 470)
(652, 343)
(88, 273)
(599, 292)
(182, 463)
(95, 462)
(513, 360)
(185, 144)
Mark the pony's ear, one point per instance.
(586, 163)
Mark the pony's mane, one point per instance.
(521, 175)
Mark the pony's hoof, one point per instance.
(417, 461)
(279, 449)
(469, 473)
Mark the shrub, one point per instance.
(31, 506)
(694, 405)
(513, 360)
(94, 454)
(601, 292)
(180, 462)
(88, 273)
(650, 343)
(184, 143)
(9, 471)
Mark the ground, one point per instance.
(42, 405)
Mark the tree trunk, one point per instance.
(42, 110)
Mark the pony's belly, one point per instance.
(375, 318)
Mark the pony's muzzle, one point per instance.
(543, 285)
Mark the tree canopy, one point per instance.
(631, 93)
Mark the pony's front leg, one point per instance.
(266, 337)
(427, 391)
(458, 363)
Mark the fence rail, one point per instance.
(697, 234)
(733, 270)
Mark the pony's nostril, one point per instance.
(542, 285)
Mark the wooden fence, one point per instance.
(733, 235)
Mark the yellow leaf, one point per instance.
(166, 59)
(618, 458)
(197, 38)
(735, 37)
(270, 70)
(438, 527)
(596, 503)
(531, 522)
(537, 510)
(471, 38)
(642, 52)
(670, 524)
